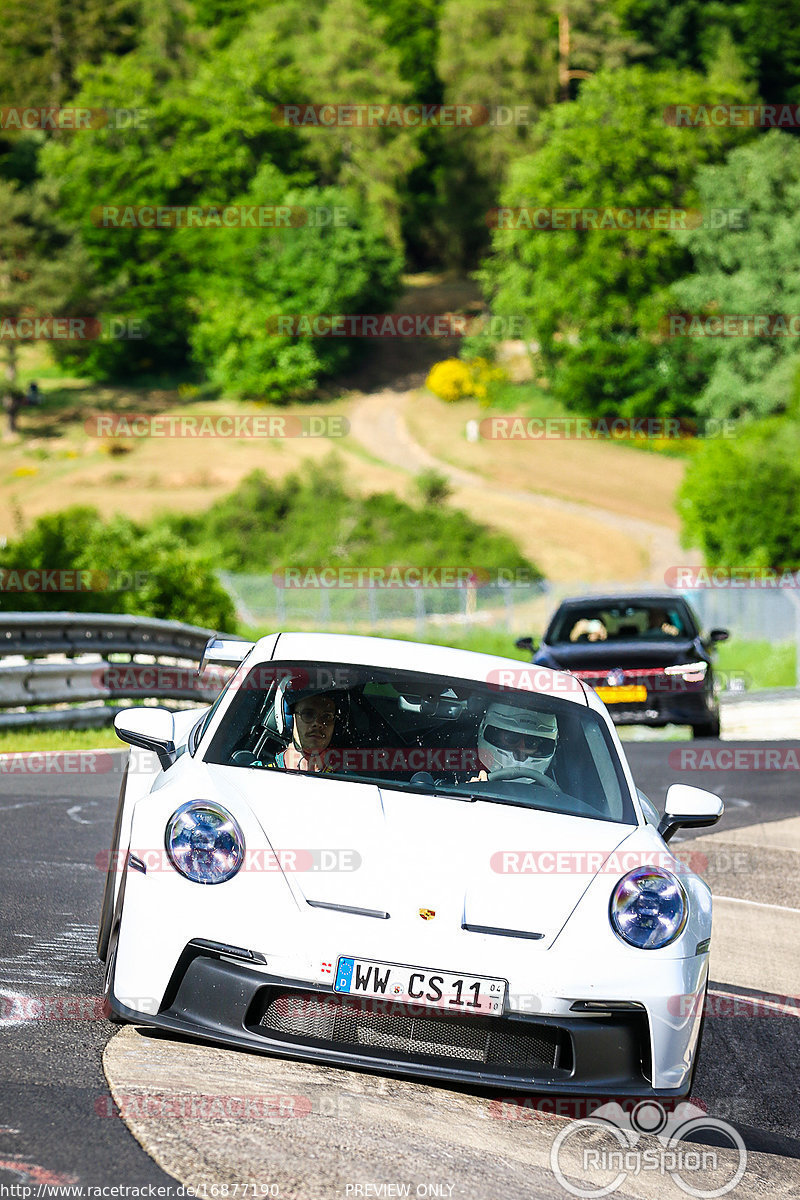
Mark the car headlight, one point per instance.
(204, 842)
(648, 908)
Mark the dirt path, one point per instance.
(571, 541)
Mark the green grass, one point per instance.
(765, 664)
(530, 400)
(24, 740)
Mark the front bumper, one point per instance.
(658, 709)
(212, 997)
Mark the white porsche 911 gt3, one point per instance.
(407, 858)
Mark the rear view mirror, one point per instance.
(719, 635)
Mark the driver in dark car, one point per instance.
(515, 740)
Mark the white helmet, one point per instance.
(511, 736)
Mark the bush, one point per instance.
(740, 499)
(128, 568)
(313, 521)
(450, 380)
(453, 380)
(433, 487)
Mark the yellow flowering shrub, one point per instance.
(450, 380)
(453, 379)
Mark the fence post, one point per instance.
(795, 599)
(508, 601)
(419, 609)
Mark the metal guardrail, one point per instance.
(64, 661)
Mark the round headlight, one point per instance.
(204, 842)
(648, 908)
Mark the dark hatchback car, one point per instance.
(644, 655)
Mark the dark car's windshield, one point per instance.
(419, 732)
(623, 621)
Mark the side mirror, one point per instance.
(719, 635)
(689, 807)
(149, 728)
(526, 643)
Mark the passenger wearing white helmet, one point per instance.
(516, 741)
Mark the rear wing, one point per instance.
(224, 652)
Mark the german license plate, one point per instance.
(625, 694)
(465, 994)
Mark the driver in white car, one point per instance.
(516, 740)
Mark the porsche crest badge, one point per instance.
(427, 914)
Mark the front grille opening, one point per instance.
(387, 1030)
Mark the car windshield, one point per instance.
(626, 621)
(409, 731)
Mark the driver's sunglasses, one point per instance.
(533, 747)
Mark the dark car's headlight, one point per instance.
(648, 908)
(204, 842)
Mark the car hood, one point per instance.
(493, 866)
(600, 656)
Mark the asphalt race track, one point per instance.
(57, 1122)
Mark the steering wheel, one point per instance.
(527, 773)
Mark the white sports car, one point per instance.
(407, 858)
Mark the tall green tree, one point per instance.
(208, 128)
(593, 297)
(344, 264)
(687, 33)
(46, 42)
(44, 271)
(752, 271)
(499, 52)
(342, 57)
